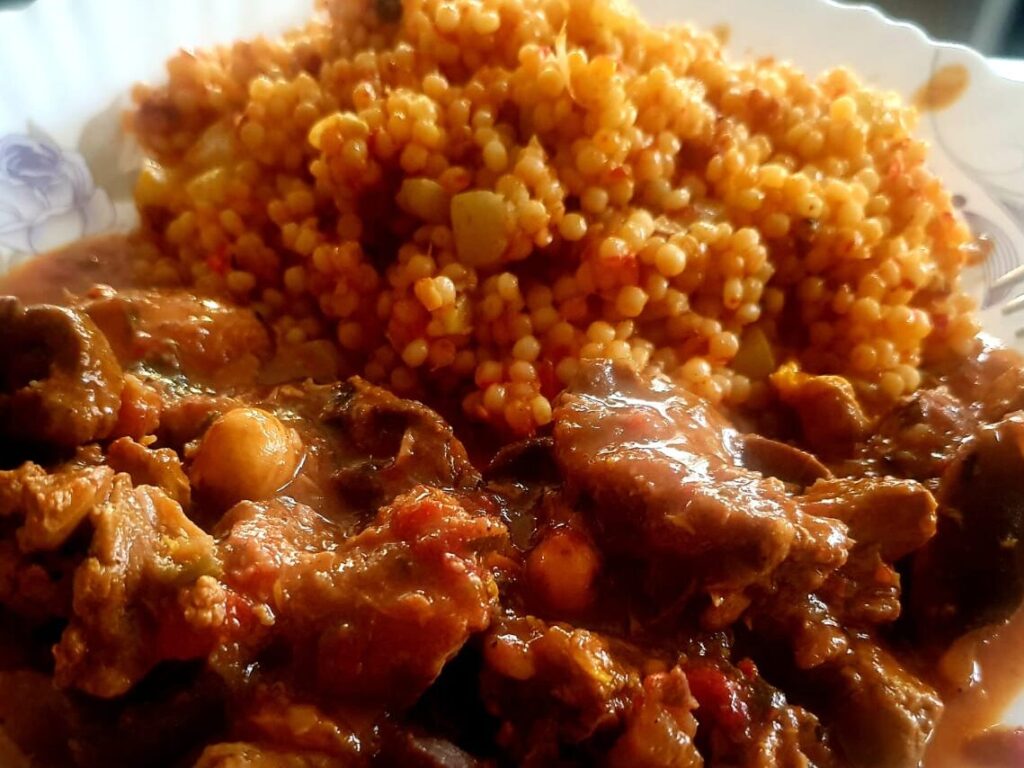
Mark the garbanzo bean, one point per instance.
(246, 454)
(561, 571)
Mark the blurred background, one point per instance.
(995, 27)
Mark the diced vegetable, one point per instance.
(479, 222)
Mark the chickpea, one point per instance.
(561, 571)
(246, 454)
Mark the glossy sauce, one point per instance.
(990, 666)
(73, 269)
(990, 671)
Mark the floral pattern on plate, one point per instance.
(47, 196)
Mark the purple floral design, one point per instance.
(47, 196)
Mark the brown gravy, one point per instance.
(72, 269)
(991, 664)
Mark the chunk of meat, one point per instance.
(662, 471)
(972, 573)
(887, 520)
(920, 437)
(53, 505)
(743, 720)
(865, 592)
(246, 755)
(176, 331)
(280, 723)
(159, 467)
(881, 714)
(378, 618)
(553, 683)
(60, 383)
(185, 418)
(257, 540)
(559, 689)
(831, 417)
(141, 404)
(394, 444)
(144, 550)
(895, 516)
(660, 728)
(992, 380)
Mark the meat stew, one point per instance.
(217, 553)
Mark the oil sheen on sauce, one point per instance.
(989, 666)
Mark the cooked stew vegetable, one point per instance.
(215, 555)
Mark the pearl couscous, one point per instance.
(471, 196)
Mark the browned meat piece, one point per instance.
(378, 618)
(881, 714)
(159, 467)
(185, 418)
(779, 460)
(887, 519)
(60, 383)
(552, 685)
(991, 381)
(395, 444)
(662, 471)
(895, 516)
(559, 689)
(176, 331)
(527, 461)
(144, 551)
(245, 755)
(277, 725)
(256, 540)
(141, 404)
(52, 505)
(659, 731)
(972, 573)
(922, 435)
(865, 592)
(831, 418)
(744, 721)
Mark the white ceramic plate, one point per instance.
(66, 67)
